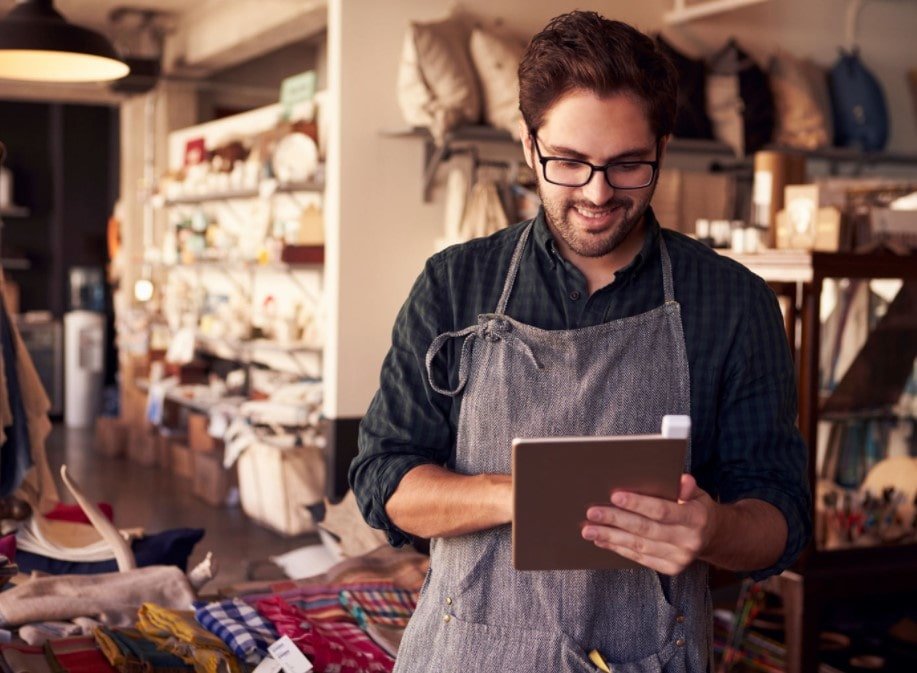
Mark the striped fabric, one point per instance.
(322, 603)
(339, 646)
(385, 607)
(237, 624)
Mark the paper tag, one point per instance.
(269, 666)
(289, 656)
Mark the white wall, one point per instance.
(386, 232)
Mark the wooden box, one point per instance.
(199, 438)
(212, 482)
(182, 462)
(142, 446)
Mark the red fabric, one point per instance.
(78, 655)
(8, 546)
(341, 647)
(75, 513)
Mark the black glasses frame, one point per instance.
(543, 160)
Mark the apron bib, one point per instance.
(476, 612)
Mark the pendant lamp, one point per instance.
(37, 44)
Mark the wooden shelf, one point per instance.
(15, 263)
(315, 254)
(242, 194)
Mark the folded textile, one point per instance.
(75, 513)
(385, 606)
(40, 632)
(170, 547)
(176, 631)
(404, 567)
(239, 626)
(386, 637)
(25, 658)
(112, 596)
(322, 603)
(129, 652)
(333, 646)
(76, 655)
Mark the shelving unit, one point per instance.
(719, 154)
(824, 574)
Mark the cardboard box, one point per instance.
(164, 446)
(142, 446)
(133, 406)
(111, 436)
(199, 438)
(212, 482)
(182, 461)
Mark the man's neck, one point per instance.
(600, 271)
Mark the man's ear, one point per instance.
(663, 144)
(526, 143)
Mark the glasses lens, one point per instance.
(569, 173)
(630, 175)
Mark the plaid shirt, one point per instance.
(238, 625)
(744, 440)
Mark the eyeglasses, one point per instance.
(575, 173)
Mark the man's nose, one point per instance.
(597, 190)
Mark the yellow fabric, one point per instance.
(110, 649)
(176, 631)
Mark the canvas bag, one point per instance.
(858, 102)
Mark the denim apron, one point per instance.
(476, 612)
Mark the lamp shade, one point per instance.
(37, 44)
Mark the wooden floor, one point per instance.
(157, 500)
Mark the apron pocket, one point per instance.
(655, 663)
(499, 649)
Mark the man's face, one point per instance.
(594, 219)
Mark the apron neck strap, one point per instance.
(668, 286)
(513, 269)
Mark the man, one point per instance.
(589, 320)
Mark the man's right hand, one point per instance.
(431, 501)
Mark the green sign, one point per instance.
(295, 90)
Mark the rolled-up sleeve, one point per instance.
(407, 423)
(760, 450)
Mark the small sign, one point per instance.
(297, 89)
(289, 656)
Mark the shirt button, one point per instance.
(447, 618)
(680, 619)
(680, 642)
(574, 295)
(448, 600)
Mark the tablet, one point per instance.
(556, 479)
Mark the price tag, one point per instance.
(289, 657)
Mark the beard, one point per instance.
(626, 211)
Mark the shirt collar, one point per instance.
(544, 241)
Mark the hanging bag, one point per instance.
(858, 102)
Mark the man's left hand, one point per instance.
(659, 534)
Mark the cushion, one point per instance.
(800, 119)
(496, 61)
(691, 120)
(858, 102)
(724, 105)
(755, 99)
(171, 547)
(437, 85)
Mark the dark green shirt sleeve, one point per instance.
(407, 423)
(761, 452)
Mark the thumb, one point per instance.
(689, 490)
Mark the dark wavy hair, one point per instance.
(584, 50)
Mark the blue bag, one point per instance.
(858, 103)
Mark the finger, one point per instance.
(631, 522)
(656, 509)
(656, 555)
(688, 489)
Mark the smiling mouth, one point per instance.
(596, 216)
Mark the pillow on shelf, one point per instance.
(496, 61)
(437, 85)
(733, 70)
(800, 119)
(858, 102)
(691, 120)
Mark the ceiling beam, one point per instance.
(217, 35)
